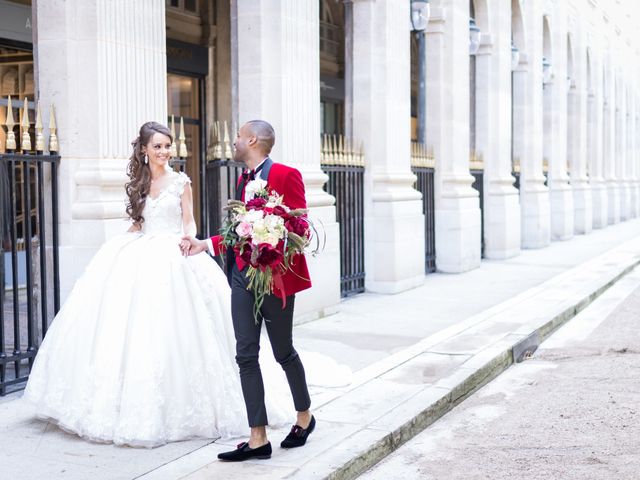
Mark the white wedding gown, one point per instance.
(142, 352)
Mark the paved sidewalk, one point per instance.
(414, 355)
(571, 412)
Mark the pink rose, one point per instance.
(244, 229)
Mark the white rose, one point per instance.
(253, 187)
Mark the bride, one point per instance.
(142, 352)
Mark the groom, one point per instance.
(253, 145)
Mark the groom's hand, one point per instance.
(192, 246)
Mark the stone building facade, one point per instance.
(543, 100)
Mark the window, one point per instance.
(184, 6)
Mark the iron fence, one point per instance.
(425, 185)
(346, 184)
(221, 178)
(344, 165)
(478, 184)
(29, 263)
(423, 167)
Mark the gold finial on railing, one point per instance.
(515, 165)
(333, 147)
(324, 151)
(420, 158)
(25, 144)
(475, 161)
(10, 123)
(545, 165)
(183, 145)
(217, 151)
(174, 148)
(39, 135)
(228, 153)
(211, 145)
(53, 138)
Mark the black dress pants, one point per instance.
(279, 324)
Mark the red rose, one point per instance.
(256, 203)
(269, 256)
(246, 252)
(280, 211)
(297, 225)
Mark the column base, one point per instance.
(536, 217)
(324, 269)
(613, 202)
(599, 203)
(394, 246)
(625, 200)
(561, 208)
(502, 223)
(583, 216)
(458, 234)
(633, 198)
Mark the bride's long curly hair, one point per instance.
(139, 172)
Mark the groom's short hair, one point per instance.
(264, 132)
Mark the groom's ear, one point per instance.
(252, 140)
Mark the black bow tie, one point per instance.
(249, 175)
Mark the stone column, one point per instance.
(596, 147)
(636, 154)
(278, 80)
(613, 193)
(621, 147)
(457, 212)
(103, 65)
(534, 196)
(557, 125)
(394, 222)
(493, 113)
(630, 175)
(583, 212)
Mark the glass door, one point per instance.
(186, 100)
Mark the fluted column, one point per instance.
(631, 157)
(278, 80)
(596, 148)
(493, 113)
(534, 196)
(457, 212)
(613, 193)
(583, 214)
(394, 222)
(621, 150)
(103, 64)
(557, 125)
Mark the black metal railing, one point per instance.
(425, 185)
(221, 178)
(346, 184)
(478, 184)
(29, 263)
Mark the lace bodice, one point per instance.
(163, 214)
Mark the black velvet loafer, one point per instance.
(298, 435)
(244, 452)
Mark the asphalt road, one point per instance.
(570, 412)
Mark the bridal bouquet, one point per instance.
(265, 234)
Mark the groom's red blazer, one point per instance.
(287, 181)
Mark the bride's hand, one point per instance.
(192, 246)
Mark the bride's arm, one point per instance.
(188, 222)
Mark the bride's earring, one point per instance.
(146, 159)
